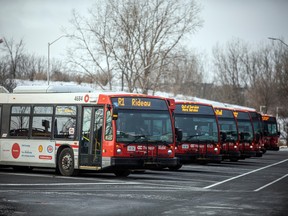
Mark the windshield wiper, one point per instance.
(192, 136)
(138, 138)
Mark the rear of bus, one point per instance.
(246, 133)
(200, 133)
(229, 133)
(143, 133)
(271, 132)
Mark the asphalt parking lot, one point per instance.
(255, 186)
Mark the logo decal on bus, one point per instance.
(86, 98)
(50, 149)
(15, 150)
(40, 148)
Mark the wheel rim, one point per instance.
(67, 162)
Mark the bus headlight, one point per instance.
(251, 146)
(216, 149)
(235, 146)
(170, 152)
(119, 151)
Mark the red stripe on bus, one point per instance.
(73, 146)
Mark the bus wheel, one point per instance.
(65, 164)
(122, 173)
(175, 168)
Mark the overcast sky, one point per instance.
(41, 21)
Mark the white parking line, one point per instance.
(244, 174)
(69, 184)
(271, 183)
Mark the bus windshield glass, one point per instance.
(229, 127)
(270, 128)
(136, 126)
(245, 127)
(197, 128)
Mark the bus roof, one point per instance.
(52, 89)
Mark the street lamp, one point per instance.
(278, 39)
(49, 44)
(1, 40)
(262, 108)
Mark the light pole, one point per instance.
(262, 108)
(278, 39)
(49, 44)
(1, 40)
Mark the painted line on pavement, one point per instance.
(271, 183)
(244, 174)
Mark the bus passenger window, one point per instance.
(41, 122)
(19, 121)
(41, 126)
(64, 127)
(65, 122)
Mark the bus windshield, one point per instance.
(270, 128)
(229, 127)
(245, 127)
(197, 129)
(138, 126)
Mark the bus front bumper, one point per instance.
(143, 163)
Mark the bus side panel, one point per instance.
(27, 152)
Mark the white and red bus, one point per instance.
(200, 133)
(270, 132)
(56, 127)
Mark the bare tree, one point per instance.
(231, 71)
(183, 74)
(133, 38)
(14, 51)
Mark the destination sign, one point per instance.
(194, 109)
(223, 113)
(242, 115)
(140, 103)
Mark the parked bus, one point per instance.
(271, 132)
(258, 130)
(51, 127)
(246, 132)
(229, 133)
(200, 133)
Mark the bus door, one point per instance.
(91, 137)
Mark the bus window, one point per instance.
(108, 129)
(41, 121)
(65, 122)
(19, 121)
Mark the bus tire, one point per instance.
(65, 164)
(122, 173)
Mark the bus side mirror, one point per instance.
(115, 112)
(278, 133)
(179, 134)
(223, 136)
